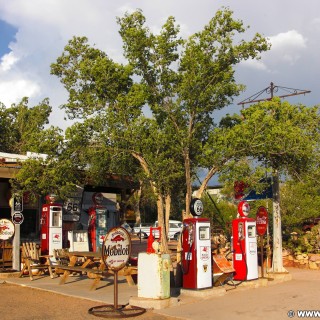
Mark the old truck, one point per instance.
(143, 230)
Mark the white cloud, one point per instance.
(7, 61)
(288, 46)
(45, 26)
(13, 91)
(254, 64)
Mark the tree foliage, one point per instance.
(180, 81)
(24, 129)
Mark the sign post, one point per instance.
(262, 225)
(16, 204)
(116, 250)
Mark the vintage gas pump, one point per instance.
(196, 246)
(245, 255)
(51, 226)
(98, 222)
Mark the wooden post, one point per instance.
(261, 255)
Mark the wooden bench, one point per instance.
(93, 269)
(33, 260)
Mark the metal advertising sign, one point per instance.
(6, 229)
(17, 204)
(17, 218)
(116, 248)
(196, 207)
(262, 221)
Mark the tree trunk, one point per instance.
(160, 209)
(188, 182)
(205, 182)
(167, 213)
(161, 224)
(277, 264)
(137, 205)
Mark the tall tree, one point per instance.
(181, 81)
(186, 80)
(281, 138)
(23, 128)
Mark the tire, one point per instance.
(176, 236)
(142, 235)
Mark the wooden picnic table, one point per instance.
(91, 264)
(85, 262)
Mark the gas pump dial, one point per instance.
(243, 208)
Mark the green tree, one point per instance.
(186, 80)
(24, 129)
(181, 81)
(282, 139)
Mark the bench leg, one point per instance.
(130, 280)
(30, 271)
(95, 283)
(64, 277)
(24, 268)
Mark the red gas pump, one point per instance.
(196, 247)
(244, 241)
(51, 226)
(98, 222)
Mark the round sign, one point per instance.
(196, 207)
(243, 208)
(262, 221)
(6, 229)
(116, 248)
(17, 218)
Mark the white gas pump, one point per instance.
(245, 254)
(51, 228)
(196, 246)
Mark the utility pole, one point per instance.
(277, 263)
(271, 90)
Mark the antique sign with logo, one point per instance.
(262, 221)
(116, 248)
(6, 229)
(17, 218)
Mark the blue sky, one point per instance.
(33, 34)
(7, 35)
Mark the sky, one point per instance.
(33, 34)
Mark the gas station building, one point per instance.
(115, 191)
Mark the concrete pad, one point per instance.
(204, 293)
(6, 275)
(157, 304)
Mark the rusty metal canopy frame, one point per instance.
(271, 90)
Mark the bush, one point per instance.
(308, 242)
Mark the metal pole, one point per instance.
(15, 244)
(115, 288)
(261, 253)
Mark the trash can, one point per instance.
(154, 275)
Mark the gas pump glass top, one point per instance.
(204, 233)
(251, 231)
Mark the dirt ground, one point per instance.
(24, 303)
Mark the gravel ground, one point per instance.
(18, 302)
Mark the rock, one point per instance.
(313, 265)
